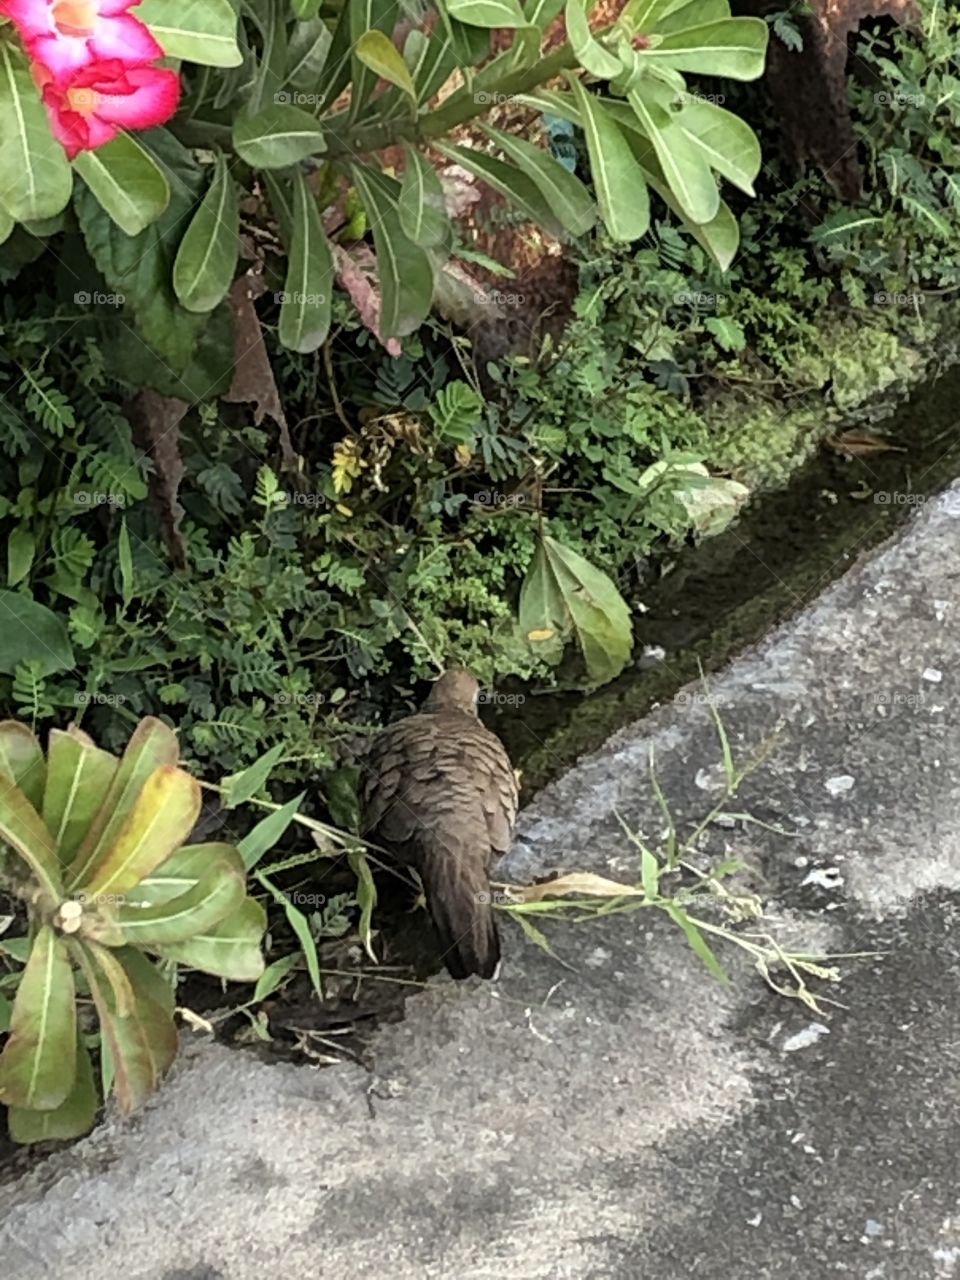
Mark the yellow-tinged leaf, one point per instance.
(152, 744)
(38, 1064)
(578, 884)
(21, 760)
(165, 813)
(545, 633)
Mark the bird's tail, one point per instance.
(459, 900)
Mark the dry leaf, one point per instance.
(578, 884)
(357, 272)
(160, 417)
(253, 380)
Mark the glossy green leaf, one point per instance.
(35, 177)
(487, 13)
(21, 760)
(229, 950)
(422, 205)
(164, 814)
(564, 595)
(72, 1119)
(201, 31)
(684, 166)
(405, 270)
(540, 13)
(151, 745)
(617, 178)
(562, 190)
(127, 181)
(142, 1040)
(734, 47)
(210, 900)
(23, 829)
(277, 137)
(512, 183)
(30, 632)
(207, 258)
(38, 1063)
(308, 291)
(377, 51)
(267, 832)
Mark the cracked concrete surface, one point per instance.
(625, 1117)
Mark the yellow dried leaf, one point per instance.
(578, 884)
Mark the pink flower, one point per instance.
(96, 102)
(68, 34)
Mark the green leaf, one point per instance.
(307, 54)
(35, 177)
(564, 595)
(308, 291)
(277, 137)
(274, 974)
(127, 181)
(618, 179)
(201, 31)
(151, 745)
(734, 47)
(847, 222)
(21, 548)
(7, 224)
(729, 334)
(238, 788)
(30, 632)
(22, 828)
(231, 949)
(207, 258)
(726, 142)
(562, 190)
(21, 760)
(142, 1040)
(79, 775)
(684, 166)
(366, 897)
(301, 927)
(405, 270)
(164, 814)
(512, 183)
(200, 908)
(125, 560)
(140, 268)
(696, 940)
(72, 1119)
(377, 51)
(38, 1064)
(366, 16)
(182, 872)
(422, 205)
(487, 13)
(266, 833)
(590, 54)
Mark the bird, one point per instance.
(440, 795)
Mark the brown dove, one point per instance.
(440, 794)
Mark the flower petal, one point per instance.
(125, 38)
(32, 17)
(62, 55)
(154, 99)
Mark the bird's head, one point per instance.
(456, 690)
